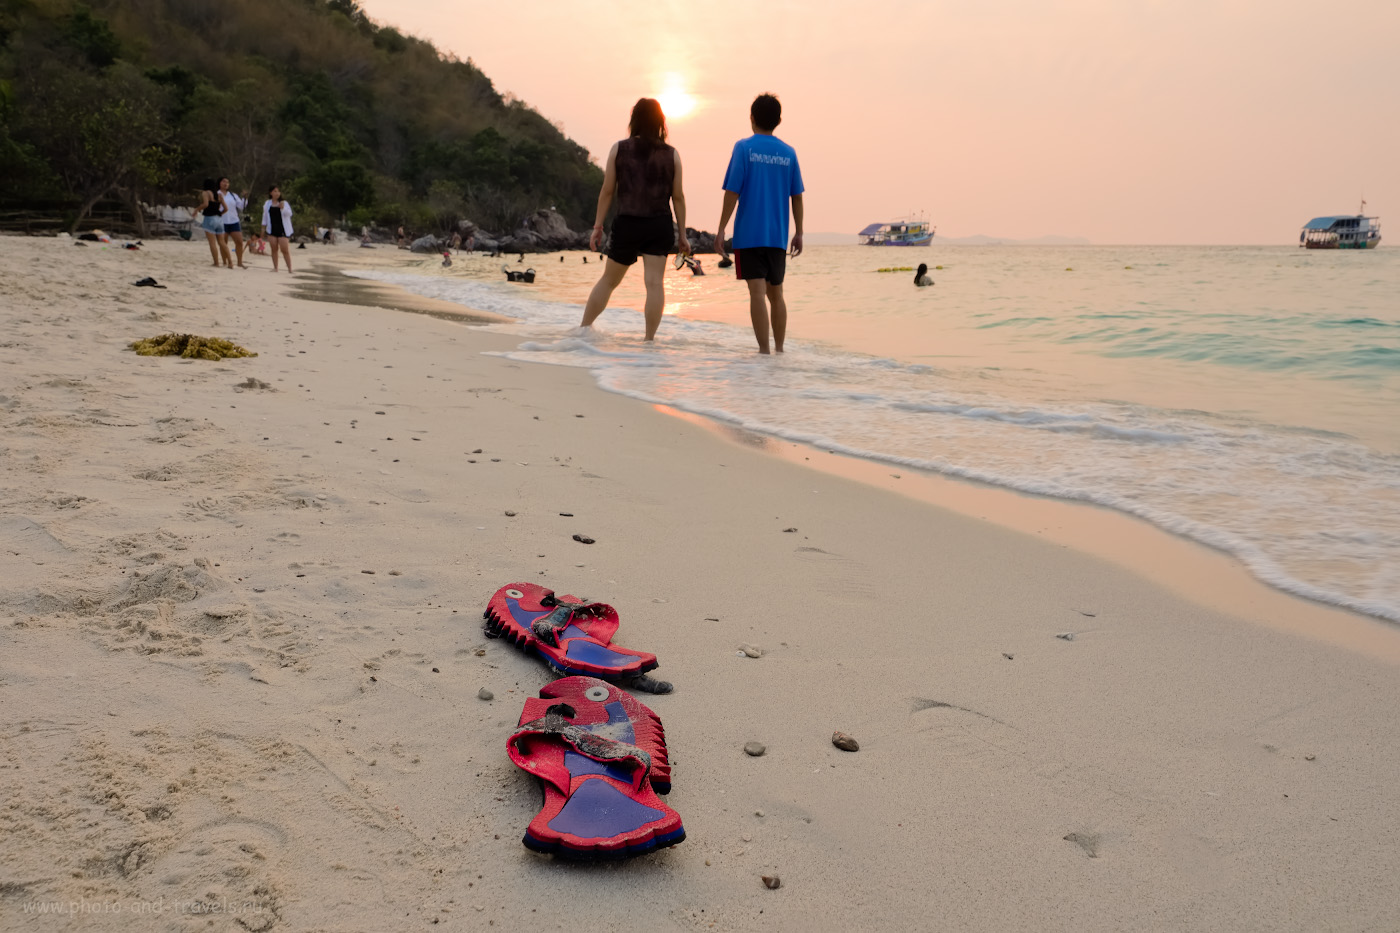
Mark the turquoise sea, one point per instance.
(1244, 397)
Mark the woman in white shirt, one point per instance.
(277, 225)
(233, 219)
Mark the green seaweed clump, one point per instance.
(190, 347)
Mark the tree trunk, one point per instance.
(88, 205)
(133, 203)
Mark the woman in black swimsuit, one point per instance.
(645, 175)
(277, 224)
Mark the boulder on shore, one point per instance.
(426, 244)
(543, 232)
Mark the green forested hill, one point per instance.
(141, 99)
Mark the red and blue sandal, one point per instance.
(601, 758)
(572, 636)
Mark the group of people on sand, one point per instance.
(220, 214)
(643, 175)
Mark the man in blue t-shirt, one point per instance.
(763, 175)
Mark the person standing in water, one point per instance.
(644, 174)
(763, 177)
(921, 277)
(277, 224)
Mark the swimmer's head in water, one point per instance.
(923, 269)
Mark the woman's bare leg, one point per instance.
(598, 298)
(213, 247)
(238, 244)
(223, 250)
(285, 245)
(653, 275)
(274, 242)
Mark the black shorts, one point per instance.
(645, 236)
(761, 262)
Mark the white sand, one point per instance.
(204, 696)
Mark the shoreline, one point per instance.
(244, 650)
(1199, 572)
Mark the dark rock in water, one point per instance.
(426, 244)
(755, 749)
(772, 882)
(845, 742)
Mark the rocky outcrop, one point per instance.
(700, 241)
(540, 232)
(543, 232)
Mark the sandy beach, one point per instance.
(241, 648)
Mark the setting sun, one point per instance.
(676, 102)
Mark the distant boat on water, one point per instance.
(898, 233)
(1343, 231)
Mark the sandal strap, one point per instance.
(598, 747)
(547, 627)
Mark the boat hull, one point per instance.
(921, 241)
(1367, 244)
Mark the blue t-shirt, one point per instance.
(763, 171)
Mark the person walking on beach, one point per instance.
(211, 220)
(763, 176)
(644, 173)
(277, 225)
(234, 205)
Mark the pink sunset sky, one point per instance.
(1123, 121)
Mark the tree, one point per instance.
(94, 130)
(337, 186)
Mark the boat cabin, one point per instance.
(1352, 231)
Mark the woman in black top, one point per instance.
(210, 213)
(645, 176)
(277, 225)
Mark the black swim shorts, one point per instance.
(645, 236)
(761, 262)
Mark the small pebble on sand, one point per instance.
(509, 513)
(751, 651)
(845, 742)
(481, 652)
(484, 694)
(789, 530)
(583, 539)
(1067, 636)
(772, 882)
(755, 749)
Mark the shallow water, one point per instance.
(1246, 397)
